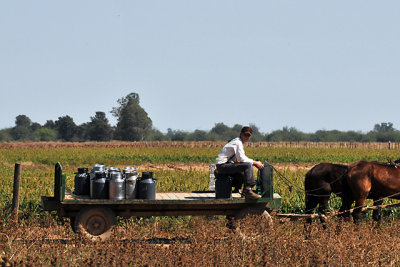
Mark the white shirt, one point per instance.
(235, 150)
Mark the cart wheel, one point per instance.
(251, 223)
(95, 223)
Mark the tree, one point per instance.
(176, 135)
(220, 129)
(123, 102)
(225, 133)
(22, 120)
(5, 135)
(198, 135)
(66, 128)
(35, 126)
(133, 121)
(155, 135)
(384, 127)
(286, 134)
(256, 137)
(22, 129)
(49, 124)
(98, 128)
(45, 134)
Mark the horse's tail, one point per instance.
(347, 195)
(308, 186)
(308, 181)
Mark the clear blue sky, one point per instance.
(306, 64)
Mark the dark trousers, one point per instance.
(238, 169)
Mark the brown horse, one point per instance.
(320, 182)
(373, 180)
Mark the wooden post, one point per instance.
(389, 145)
(15, 200)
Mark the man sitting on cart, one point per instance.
(232, 161)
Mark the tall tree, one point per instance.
(66, 128)
(133, 121)
(222, 132)
(98, 128)
(384, 127)
(23, 120)
(22, 129)
(220, 128)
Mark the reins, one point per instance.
(291, 185)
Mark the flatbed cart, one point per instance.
(95, 218)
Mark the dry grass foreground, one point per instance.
(202, 241)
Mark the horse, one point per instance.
(320, 182)
(372, 180)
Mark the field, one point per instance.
(41, 237)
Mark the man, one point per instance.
(232, 160)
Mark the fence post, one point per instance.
(15, 200)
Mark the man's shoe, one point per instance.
(248, 193)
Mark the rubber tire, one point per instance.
(95, 223)
(242, 214)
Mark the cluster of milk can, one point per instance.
(112, 183)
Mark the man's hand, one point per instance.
(258, 164)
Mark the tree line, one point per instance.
(134, 124)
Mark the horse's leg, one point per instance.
(345, 207)
(347, 200)
(376, 214)
(360, 201)
(323, 206)
(360, 186)
(311, 204)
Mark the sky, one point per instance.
(312, 65)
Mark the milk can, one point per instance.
(97, 168)
(114, 169)
(147, 186)
(131, 176)
(99, 185)
(82, 182)
(117, 186)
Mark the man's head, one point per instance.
(245, 133)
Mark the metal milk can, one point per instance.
(82, 182)
(131, 176)
(97, 168)
(147, 186)
(117, 185)
(99, 185)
